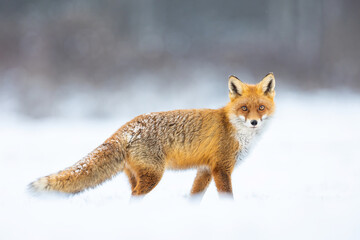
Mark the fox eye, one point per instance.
(244, 108)
(261, 108)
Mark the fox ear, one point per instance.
(235, 87)
(268, 84)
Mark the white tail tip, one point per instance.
(39, 185)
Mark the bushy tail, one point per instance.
(98, 166)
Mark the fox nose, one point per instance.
(253, 122)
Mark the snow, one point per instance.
(301, 181)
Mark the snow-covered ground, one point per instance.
(302, 181)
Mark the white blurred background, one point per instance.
(72, 72)
(89, 58)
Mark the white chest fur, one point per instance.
(244, 135)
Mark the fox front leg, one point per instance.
(222, 178)
(201, 182)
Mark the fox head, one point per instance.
(251, 105)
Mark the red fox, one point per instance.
(212, 141)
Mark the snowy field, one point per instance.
(302, 181)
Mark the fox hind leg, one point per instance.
(146, 181)
(132, 178)
(145, 174)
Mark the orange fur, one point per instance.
(207, 139)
